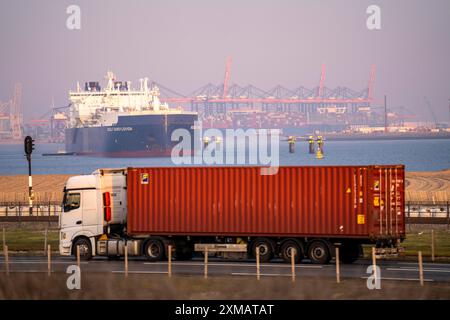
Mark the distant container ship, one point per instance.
(119, 121)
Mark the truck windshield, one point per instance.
(71, 201)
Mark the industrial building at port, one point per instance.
(228, 105)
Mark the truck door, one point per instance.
(90, 211)
(72, 215)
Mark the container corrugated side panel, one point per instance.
(314, 201)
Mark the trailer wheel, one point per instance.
(265, 249)
(286, 250)
(318, 252)
(85, 248)
(350, 252)
(154, 250)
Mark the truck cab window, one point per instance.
(71, 201)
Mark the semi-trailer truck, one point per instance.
(309, 209)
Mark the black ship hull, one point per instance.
(133, 136)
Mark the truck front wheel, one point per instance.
(85, 248)
(154, 250)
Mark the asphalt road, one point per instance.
(390, 270)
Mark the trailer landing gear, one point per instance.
(350, 252)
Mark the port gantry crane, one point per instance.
(430, 109)
(225, 97)
(11, 115)
(16, 113)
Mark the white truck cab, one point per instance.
(93, 205)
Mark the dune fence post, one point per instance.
(5, 253)
(338, 270)
(206, 263)
(45, 240)
(293, 253)
(49, 260)
(420, 268)
(257, 264)
(126, 259)
(169, 262)
(432, 245)
(78, 256)
(374, 264)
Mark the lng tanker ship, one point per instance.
(121, 121)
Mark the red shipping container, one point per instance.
(365, 202)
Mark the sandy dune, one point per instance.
(46, 187)
(428, 186)
(420, 186)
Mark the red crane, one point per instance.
(322, 82)
(371, 82)
(227, 78)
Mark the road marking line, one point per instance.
(42, 262)
(261, 274)
(401, 279)
(233, 265)
(417, 270)
(138, 272)
(426, 263)
(26, 271)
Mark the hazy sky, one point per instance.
(184, 45)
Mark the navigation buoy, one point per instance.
(205, 142)
(291, 141)
(218, 140)
(319, 154)
(320, 144)
(311, 145)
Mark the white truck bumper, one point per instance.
(65, 245)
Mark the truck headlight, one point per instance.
(63, 235)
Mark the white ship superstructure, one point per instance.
(95, 107)
(122, 121)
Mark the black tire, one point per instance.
(265, 249)
(318, 252)
(350, 252)
(85, 248)
(154, 250)
(183, 251)
(286, 249)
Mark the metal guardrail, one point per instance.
(427, 209)
(29, 219)
(430, 212)
(19, 212)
